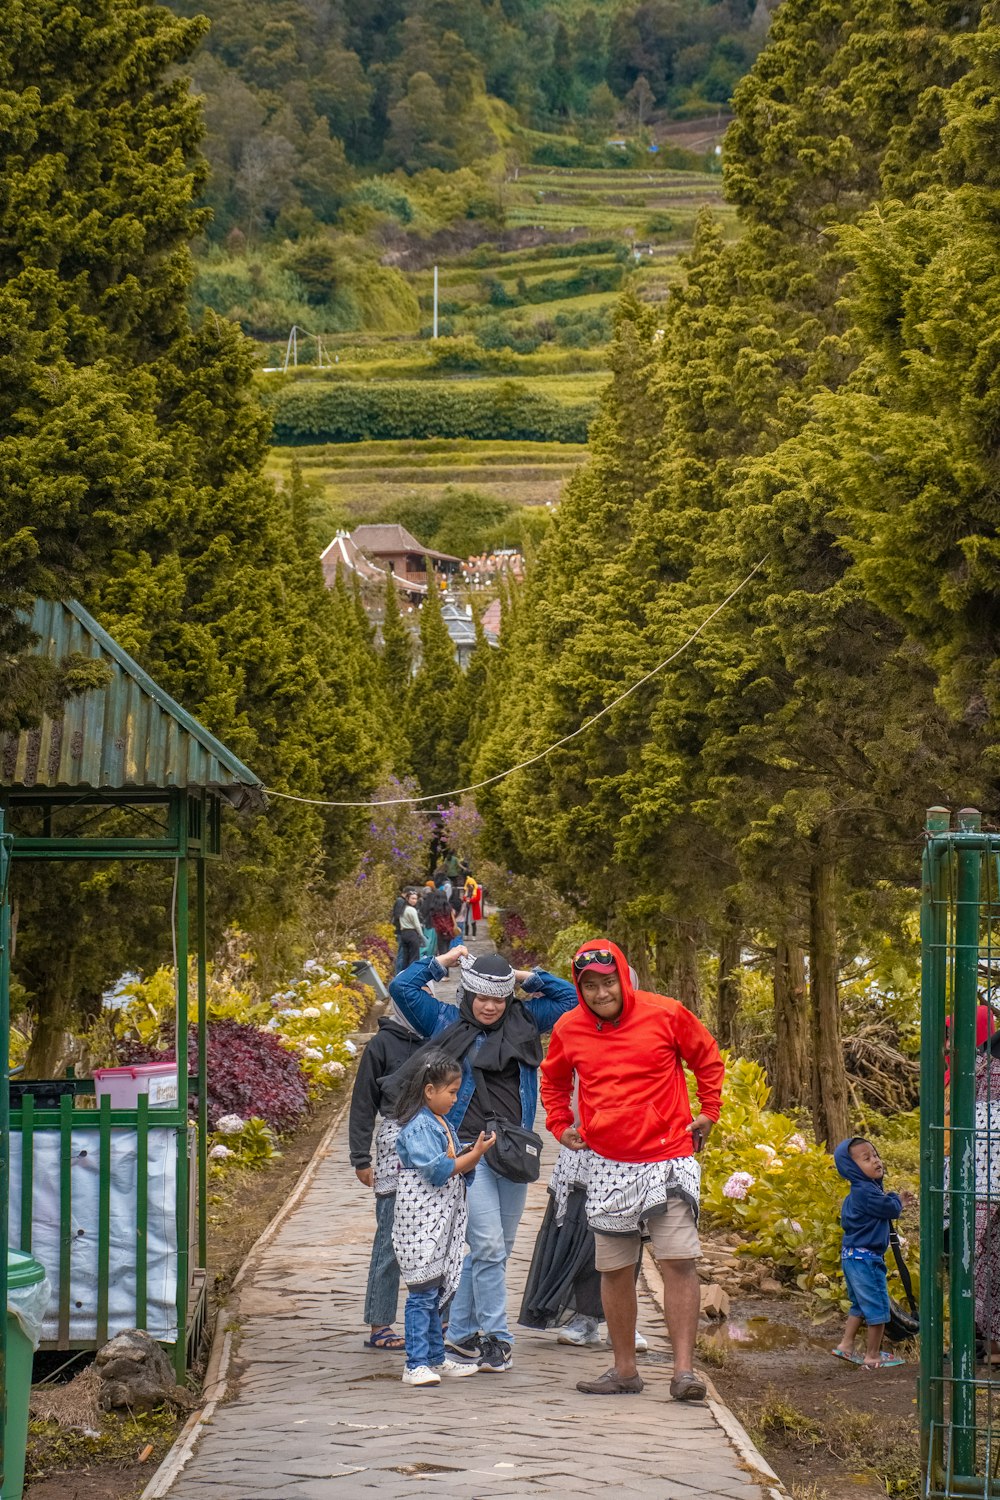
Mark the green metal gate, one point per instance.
(960, 940)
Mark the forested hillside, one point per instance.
(304, 102)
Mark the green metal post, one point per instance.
(963, 1171)
(202, 1063)
(933, 974)
(6, 843)
(183, 1270)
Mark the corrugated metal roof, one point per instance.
(129, 733)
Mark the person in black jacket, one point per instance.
(391, 1046)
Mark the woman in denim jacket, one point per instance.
(502, 1037)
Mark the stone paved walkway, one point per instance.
(317, 1417)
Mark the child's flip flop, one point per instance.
(886, 1362)
(852, 1359)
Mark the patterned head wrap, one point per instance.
(488, 975)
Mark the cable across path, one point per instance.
(311, 1415)
(541, 754)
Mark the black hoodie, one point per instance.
(387, 1051)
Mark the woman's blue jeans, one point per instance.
(495, 1208)
(382, 1297)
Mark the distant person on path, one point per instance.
(865, 1218)
(398, 907)
(501, 1037)
(452, 867)
(628, 1049)
(393, 1044)
(428, 1232)
(473, 893)
(411, 932)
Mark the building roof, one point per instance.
(387, 540)
(492, 616)
(461, 627)
(127, 733)
(343, 552)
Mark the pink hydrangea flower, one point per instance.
(795, 1142)
(739, 1185)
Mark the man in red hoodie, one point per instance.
(627, 1049)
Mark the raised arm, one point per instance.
(548, 998)
(425, 1014)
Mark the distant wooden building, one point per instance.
(343, 555)
(395, 549)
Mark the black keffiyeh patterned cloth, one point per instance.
(428, 1232)
(621, 1195)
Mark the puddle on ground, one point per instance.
(415, 1470)
(762, 1335)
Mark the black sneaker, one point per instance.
(470, 1348)
(495, 1356)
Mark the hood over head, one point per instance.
(626, 976)
(847, 1166)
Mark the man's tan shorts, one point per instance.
(673, 1233)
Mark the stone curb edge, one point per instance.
(220, 1355)
(737, 1434)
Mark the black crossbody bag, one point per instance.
(902, 1325)
(517, 1153)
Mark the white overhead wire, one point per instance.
(533, 759)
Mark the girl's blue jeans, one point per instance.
(422, 1327)
(495, 1208)
(382, 1297)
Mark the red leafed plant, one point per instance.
(249, 1073)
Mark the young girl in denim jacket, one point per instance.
(428, 1232)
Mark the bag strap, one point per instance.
(483, 1094)
(901, 1267)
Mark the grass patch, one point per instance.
(52, 1448)
(865, 1443)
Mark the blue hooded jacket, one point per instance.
(867, 1208)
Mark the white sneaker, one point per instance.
(641, 1344)
(580, 1331)
(456, 1368)
(422, 1375)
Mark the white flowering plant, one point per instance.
(247, 1144)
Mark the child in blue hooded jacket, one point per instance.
(865, 1217)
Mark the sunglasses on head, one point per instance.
(583, 961)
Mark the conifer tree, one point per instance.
(435, 721)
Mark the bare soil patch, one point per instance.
(830, 1430)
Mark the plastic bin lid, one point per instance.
(22, 1269)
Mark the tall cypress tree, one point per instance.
(435, 711)
(131, 459)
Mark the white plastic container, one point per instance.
(124, 1085)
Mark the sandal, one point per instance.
(885, 1362)
(852, 1358)
(387, 1338)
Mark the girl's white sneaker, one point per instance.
(456, 1368)
(422, 1375)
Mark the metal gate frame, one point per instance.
(960, 927)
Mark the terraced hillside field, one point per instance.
(531, 313)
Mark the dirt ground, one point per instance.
(827, 1428)
(239, 1210)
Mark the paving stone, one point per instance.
(317, 1417)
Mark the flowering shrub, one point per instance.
(249, 1144)
(782, 1193)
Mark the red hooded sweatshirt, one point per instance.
(633, 1098)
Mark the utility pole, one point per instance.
(435, 333)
